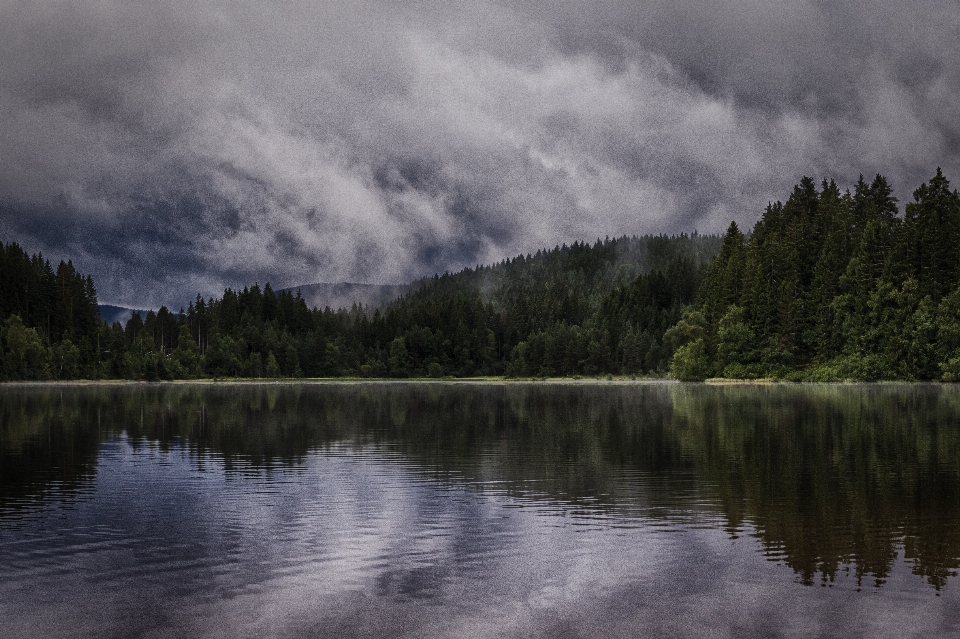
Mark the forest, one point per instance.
(583, 309)
(827, 286)
(832, 286)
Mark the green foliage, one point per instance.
(273, 368)
(56, 303)
(833, 286)
(736, 341)
(583, 309)
(24, 355)
(65, 360)
(947, 345)
(690, 328)
(399, 358)
(57, 309)
(869, 367)
(951, 370)
(828, 285)
(226, 356)
(187, 361)
(691, 362)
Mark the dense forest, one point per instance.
(829, 285)
(49, 320)
(832, 286)
(584, 309)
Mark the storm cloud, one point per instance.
(171, 148)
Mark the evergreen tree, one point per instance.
(834, 286)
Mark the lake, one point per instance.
(384, 509)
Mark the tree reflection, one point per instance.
(834, 476)
(828, 478)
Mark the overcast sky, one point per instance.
(173, 147)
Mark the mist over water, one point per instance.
(457, 509)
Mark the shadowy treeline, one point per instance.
(833, 286)
(580, 309)
(828, 286)
(48, 319)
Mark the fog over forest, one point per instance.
(183, 147)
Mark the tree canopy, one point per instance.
(833, 286)
(828, 285)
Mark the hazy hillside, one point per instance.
(345, 294)
(110, 313)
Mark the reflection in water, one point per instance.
(269, 480)
(578, 444)
(833, 475)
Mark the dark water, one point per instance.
(458, 510)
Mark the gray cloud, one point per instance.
(182, 147)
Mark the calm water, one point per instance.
(459, 510)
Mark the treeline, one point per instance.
(584, 309)
(829, 285)
(48, 319)
(832, 286)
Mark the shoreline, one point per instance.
(615, 380)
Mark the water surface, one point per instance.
(513, 510)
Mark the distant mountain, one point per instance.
(346, 294)
(111, 314)
(320, 295)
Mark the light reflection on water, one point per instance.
(406, 510)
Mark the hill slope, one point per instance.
(345, 294)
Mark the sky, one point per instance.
(178, 147)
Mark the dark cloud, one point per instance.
(179, 147)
